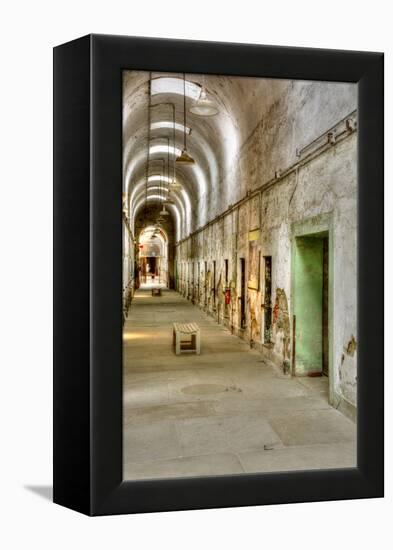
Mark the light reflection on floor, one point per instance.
(225, 411)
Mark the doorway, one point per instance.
(267, 302)
(242, 293)
(311, 304)
(152, 257)
(151, 266)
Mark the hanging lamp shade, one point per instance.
(184, 157)
(163, 211)
(204, 106)
(175, 186)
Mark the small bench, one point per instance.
(186, 338)
(156, 291)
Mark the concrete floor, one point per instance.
(227, 411)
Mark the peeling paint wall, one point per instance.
(128, 265)
(322, 183)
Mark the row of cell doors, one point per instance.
(310, 311)
(310, 308)
(312, 305)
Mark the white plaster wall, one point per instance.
(301, 112)
(326, 184)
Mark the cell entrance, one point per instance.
(311, 305)
(242, 292)
(267, 333)
(153, 257)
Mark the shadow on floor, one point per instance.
(44, 491)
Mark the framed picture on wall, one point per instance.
(217, 326)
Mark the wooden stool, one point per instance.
(156, 291)
(186, 338)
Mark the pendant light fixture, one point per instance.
(147, 150)
(185, 158)
(160, 188)
(204, 106)
(173, 184)
(163, 211)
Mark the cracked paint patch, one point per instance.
(351, 347)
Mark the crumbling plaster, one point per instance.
(249, 175)
(325, 185)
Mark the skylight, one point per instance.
(174, 85)
(169, 125)
(164, 149)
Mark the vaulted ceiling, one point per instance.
(214, 141)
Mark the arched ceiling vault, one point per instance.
(173, 209)
(214, 142)
(182, 206)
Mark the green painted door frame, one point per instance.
(306, 284)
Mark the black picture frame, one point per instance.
(88, 274)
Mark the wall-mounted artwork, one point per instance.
(216, 211)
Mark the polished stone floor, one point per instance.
(226, 411)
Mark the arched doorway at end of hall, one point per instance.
(153, 257)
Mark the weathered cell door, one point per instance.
(267, 302)
(311, 304)
(242, 293)
(198, 282)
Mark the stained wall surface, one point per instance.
(276, 164)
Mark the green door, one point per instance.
(309, 304)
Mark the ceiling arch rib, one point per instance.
(155, 190)
(174, 85)
(182, 198)
(135, 117)
(212, 141)
(180, 219)
(154, 177)
(150, 229)
(173, 208)
(202, 150)
(168, 125)
(196, 176)
(137, 166)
